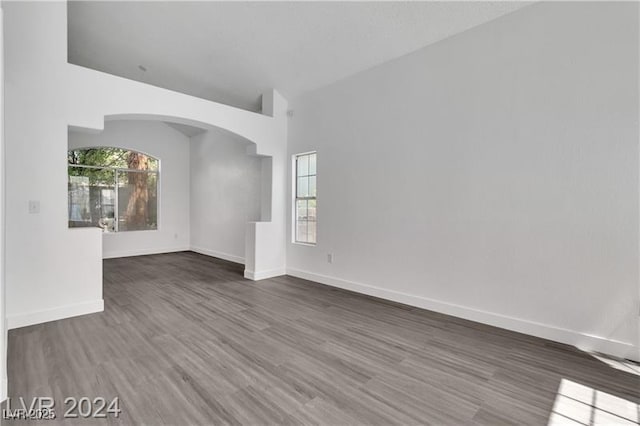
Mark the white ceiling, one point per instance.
(188, 131)
(231, 52)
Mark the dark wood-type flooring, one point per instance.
(185, 339)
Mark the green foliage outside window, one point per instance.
(112, 188)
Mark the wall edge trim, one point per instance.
(144, 252)
(54, 314)
(263, 275)
(582, 341)
(218, 254)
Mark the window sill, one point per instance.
(298, 243)
(129, 232)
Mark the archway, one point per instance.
(264, 237)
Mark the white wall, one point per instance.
(51, 272)
(172, 149)
(225, 194)
(493, 176)
(3, 324)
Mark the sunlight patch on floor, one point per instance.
(576, 404)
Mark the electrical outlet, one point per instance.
(175, 235)
(330, 258)
(34, 206)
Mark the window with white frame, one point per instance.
(114, 189)
(306, 203)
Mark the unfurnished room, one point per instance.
(319, 212)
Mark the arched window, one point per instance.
(113, 188)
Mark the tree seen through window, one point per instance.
(113, 188)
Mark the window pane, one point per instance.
(137, 201)
(301, 231)
(91, 198)
(312, 186)
(138, 161)
(312, 164)
(305, 180)
(112, 157)
(303, 187)
(303, 165)
(301, 210)
(311, 210)
(79, 204)
(152, 163)
(311, 232)
(93, 190)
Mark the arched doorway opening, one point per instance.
(194, 188)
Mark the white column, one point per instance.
(265, 241)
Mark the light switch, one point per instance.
(34, 206)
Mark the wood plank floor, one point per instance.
(184, 339)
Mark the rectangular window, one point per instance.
(113, 189)
(305, 198)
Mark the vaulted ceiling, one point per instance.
(231, 52)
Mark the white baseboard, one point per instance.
(143, 252)
(582, 341)
(251, 275)
(53, 314)
(218, 254)
(263, 275)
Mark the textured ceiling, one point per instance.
(231, 52)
